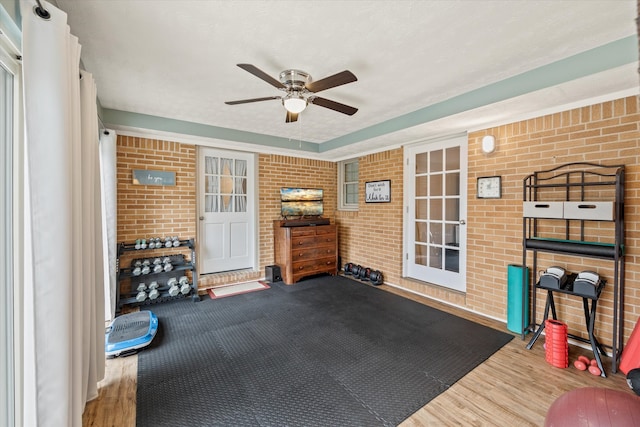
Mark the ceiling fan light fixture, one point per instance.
(294, 103)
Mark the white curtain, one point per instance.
(64, 324)
(109, 223)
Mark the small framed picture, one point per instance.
(377, 191)
(490, 187)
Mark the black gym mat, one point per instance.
(327, 351)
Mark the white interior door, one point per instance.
(435, 212)
(227, 210)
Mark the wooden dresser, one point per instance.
(305, 250)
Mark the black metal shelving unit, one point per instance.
(126, 289)
(567, 198)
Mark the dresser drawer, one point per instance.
(301, 254)
(312, 241)
(303, 231)
(308, 267)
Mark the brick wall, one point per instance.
(606, 133)
(155, 211)
(372, 236)
(276, 171)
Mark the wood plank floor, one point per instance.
(514, 387)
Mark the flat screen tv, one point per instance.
(301, 202)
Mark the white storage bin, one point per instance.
(542, 209)
(599, 211)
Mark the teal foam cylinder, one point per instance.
(514, 298)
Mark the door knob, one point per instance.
(201, 218)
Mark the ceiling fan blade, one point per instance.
(333, 105)
(332, 81)
(246, 101)
(291, 117)
(262, 75)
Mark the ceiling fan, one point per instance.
(299, 89)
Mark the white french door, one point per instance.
(435, 211)
(226, 203)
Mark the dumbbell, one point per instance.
(143, 244)
(152, 243)
(356, 270)
(173, 286)
(348, 267)
(137, 245)
(154, 285)
(137, 271)
(146, 269)
(157, 268)
(141, 296)
(376, 277)
(184, 285)
(364, 273)
(154, 293)
(168, 242)
(141, 287)
(168, 267)
(175, 241)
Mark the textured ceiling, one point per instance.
(177, 59)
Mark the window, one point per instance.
(348, 185)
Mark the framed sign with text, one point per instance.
(377, 191)
(150, 177)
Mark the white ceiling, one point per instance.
(177, 59)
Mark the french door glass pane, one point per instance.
(452, 184)
(226, 167)
(421, 185)
(211, 203)
(226, 203)
(452, 209)
(421, 209)
(241, 186)
(241, 203)
(451, 234)
(435, 257)
(452, 260)
(226, 185)
(421, 254)
(436, 209)
(453, 158)
(241, 167)
(435, 163)
(421, 232)
(435, 188)
(211, 184)
(421, 163)
(211, 165)
(435, 233)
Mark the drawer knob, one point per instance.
(299, 243)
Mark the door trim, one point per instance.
(408, 183)
(255, 197)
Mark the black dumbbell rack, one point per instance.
(126, 288)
